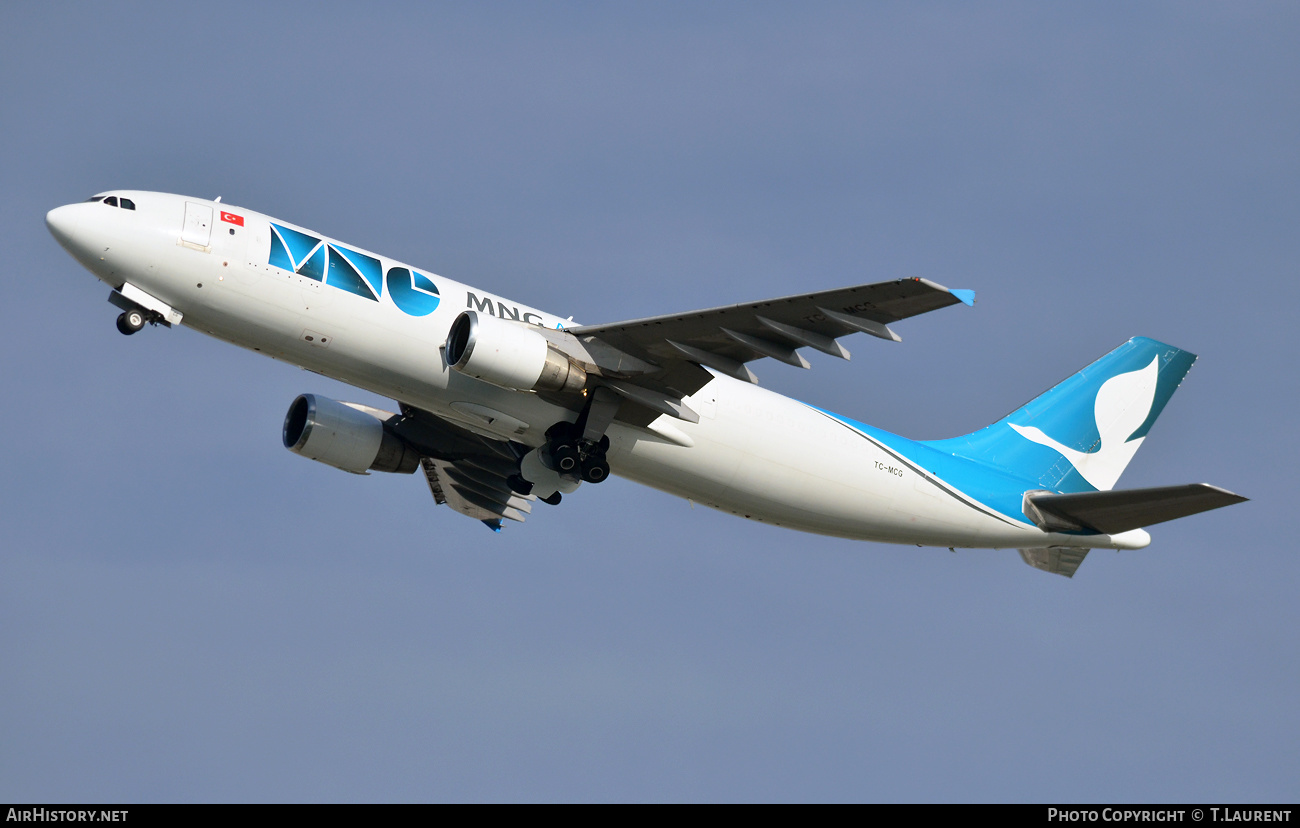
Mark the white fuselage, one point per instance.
(753, 453)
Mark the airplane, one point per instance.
(500, 405)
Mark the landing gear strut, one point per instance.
(131, 321)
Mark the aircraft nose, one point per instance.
(62, 222)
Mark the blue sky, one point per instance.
(189, 612)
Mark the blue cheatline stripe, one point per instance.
(992, 488)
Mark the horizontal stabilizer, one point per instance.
(1119, 511)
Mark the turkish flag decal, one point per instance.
(232, 218)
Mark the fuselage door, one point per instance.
(198, 224)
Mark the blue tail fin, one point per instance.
(1079, 436)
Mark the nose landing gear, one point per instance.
(131, 321)
(140, 308)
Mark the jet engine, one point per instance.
(510, 354)
(346, 436)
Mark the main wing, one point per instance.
(726, 338)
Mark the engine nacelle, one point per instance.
(349, 438)
(510, 354)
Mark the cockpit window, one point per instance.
(114, 201)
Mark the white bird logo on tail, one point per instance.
(1123, 403)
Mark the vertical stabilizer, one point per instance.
(1080, 435)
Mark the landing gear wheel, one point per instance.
(595, 469)
(519, 485)
(565, 457)
(130, 322)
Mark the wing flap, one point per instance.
(464, 470)
(1113, 512)
(473, 493)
